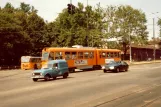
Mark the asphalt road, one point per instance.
(139, 87)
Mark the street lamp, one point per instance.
(154, 50)
(87, 34)
(130, 41)
(130, 46)
(154, 37)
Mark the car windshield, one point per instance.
(112, 62)
(47, 66)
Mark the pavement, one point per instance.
(130, 63)
(139, 87)
(142, 62)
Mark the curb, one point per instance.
(139, 63)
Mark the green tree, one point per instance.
(34, 26)
(159, 24)
(22, 32)
(83, 27)
(12, 39)
(126, 22)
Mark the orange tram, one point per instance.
(81, 57)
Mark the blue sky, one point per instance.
(49, 9)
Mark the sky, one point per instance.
(49, 9)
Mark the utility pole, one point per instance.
(87, 25)
(130, 46)
(154, 50)
(154, 37)
(130, 57)
(71, 6)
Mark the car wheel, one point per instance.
(47, 77)
(65, 75)
(126, 69)
(117, 70)
(54, 78)
(34, 79)
(104, 71)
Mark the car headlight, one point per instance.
(41, 74)
(111, 67)
(33, 74)
(103, 67)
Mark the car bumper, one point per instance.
(108, 69)
(38, 77)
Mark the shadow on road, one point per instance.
(58, 78)
(116, 72)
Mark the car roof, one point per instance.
(55, 61)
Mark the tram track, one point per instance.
(133, 93)
(150, 102)
(112, 100)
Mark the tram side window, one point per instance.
(67, 55)
(100, 54)
(80, 55)
(86, 54)
(119, 54)
(32, 60)
(115, 54)
(58, 55)
(51, 56)
(39, 59)
(103, 54)
(108, 55)
(111, 54)
(74, 55)
(91, 55)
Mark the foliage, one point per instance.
(159, 24)
(83, 27)
(24, 32)
(127, 25)
(20, 32)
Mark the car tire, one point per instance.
(104, 71)
(126, 69)
(54, 78)
(117, 70)
(34, 79)
(47, 77)
(65, 75)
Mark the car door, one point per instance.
(126, 66)
(120, 65)
(123, 66)
(63, 68)
(55, 69)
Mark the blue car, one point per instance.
(115, 66)
(52, 69)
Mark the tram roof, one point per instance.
(77, 49)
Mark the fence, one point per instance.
(9, 67)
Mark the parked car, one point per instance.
(115, 66)
(52, 69)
